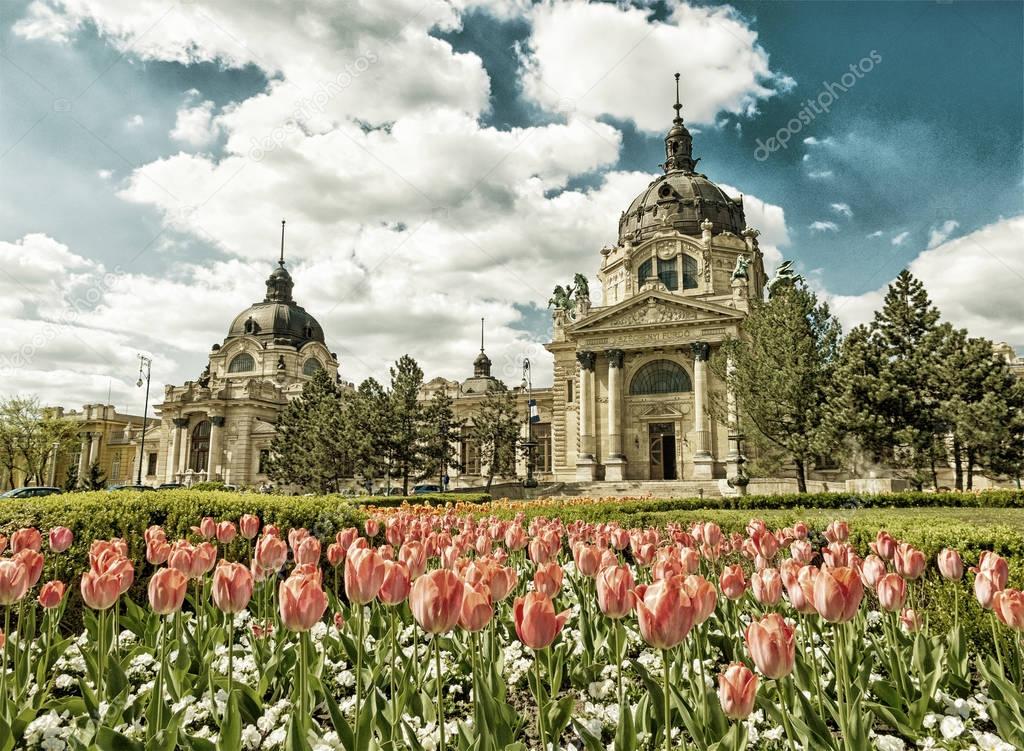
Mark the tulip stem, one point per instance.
(618, 661)
(359, 669)
(440, 691)
(540, 701)
(229, 623)
(666, 699)
(394, 654)
(995, 641)
(787, 723)
(158, 690)
(7, 641)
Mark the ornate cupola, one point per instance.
(279, 283)
(678, 142)
(482, 363)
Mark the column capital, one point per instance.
(180, 422)
(701, 351)
(586, 360)
(217, 421)
(615, 357)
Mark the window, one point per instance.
(151, 464)
(568, 392)
(660, 377)
(200, 446)
(542, 451)
(242, 363)
(645, 272)
(115, 467)
(689, 272)
(668, 273)
(470, 454)
(311, 366)
(264, 461)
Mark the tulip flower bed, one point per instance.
(454, 631)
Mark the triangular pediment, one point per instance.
(655, 308)
(662, 410)
(263, 428)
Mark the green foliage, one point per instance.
(781, 371)
(71, 479)
(406, 423)
(95, 480)
(496, 429)
(439, 435)
(28, 434)
(426, 499)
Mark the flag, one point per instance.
(534, 414)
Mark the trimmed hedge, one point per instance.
(425, 499)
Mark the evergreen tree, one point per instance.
(440, 431)
(781, 371)
(310, 448)
(71, 479)
(95, 480)
(890, 389)
(370, 432)
(405, 420)
(496, 430)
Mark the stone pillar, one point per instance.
(173, 446)
(54, 456)
(586, 465)
(182, 445)
(703, 463)
(94, 448)
(215, 463)
(615, 464)
(83, 460)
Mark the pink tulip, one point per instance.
(950, 565)
(872, 570)
(226, 532)
(837, 594)
(910, 621)
(985, 588)
(302, 602)
(395, 586)
(61, 539)
(308, 551)
(32, 560)
(732, 583)
(476, 611)
(772, 646)
(51, 594)
(587, 558)
(436, 601)
(232, 587)
(910, 562)
(737, 691)
(372, 527)
(664, 612)
(615, 591)
(414, 555)
(892, 592)
(100, 590)
(837, 531)
(501, 582)
(271, 552)
(996, 566)
(249, 525)
(167, 591)
(547, 579)
(204, 558)
(703, 596)
(535, 619)
(884, 545)
(207, 528)
(1008, 605)
(157, 552)
(766, 585)
(26, 538)
(364, 574)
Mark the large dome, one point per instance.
(681, 199)
(278, 317)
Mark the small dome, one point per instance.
(681, 201)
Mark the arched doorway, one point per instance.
(200, 455)
(661, 381)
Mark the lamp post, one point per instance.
(145, 365)
(530, 481)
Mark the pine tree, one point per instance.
(71, 479)
(496, 430)
(440, 430)
(309, 448)
(370, 432)
(406, 416)
(781, 373)
(95, 480)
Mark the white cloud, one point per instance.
(104, 174)
(820, 226)
(843, 209)
(195, 125)
(900, 238)
(135, 121)
(812, 141)
(974, 280)
(941, 233)
(876, 233)
(820, 174)
(583, 58)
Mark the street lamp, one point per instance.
(145, 365)
(530, 481)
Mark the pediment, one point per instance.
(667, 411)
(654, 308)
(261, 427)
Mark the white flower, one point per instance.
(990, 742)
(889, 743)
(951, 727)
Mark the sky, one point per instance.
(441, 162)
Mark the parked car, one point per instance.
(169, 486)
(113, 488)
(422, 489)
(31, 492)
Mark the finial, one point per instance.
(481, 334)
(281, 262)
(677, 106)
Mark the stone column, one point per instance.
(54, 456)
(615, 464)
(94, 448)
(734, 461)
(83, 460)
(586, 466)
(215, 462)
(703, 463)
(182, 445)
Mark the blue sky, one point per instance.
(440, 162)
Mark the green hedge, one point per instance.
(425, 499)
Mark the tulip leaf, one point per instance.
(558, 715)
(590, 741)
(625, 732)
(231, 727)
(341, 726)
(109, 739)
(6, 736)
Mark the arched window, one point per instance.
(644, 272)
(668, 273)
(311, 367)
(689, 272)
(200, 446)
(660, 377)
(242, 363)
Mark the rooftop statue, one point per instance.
(740, 270)
(784, 276)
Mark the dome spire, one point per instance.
(279, 283)
(482, 363)
(678, 142)
(281, 261)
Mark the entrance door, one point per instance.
(663, 451)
